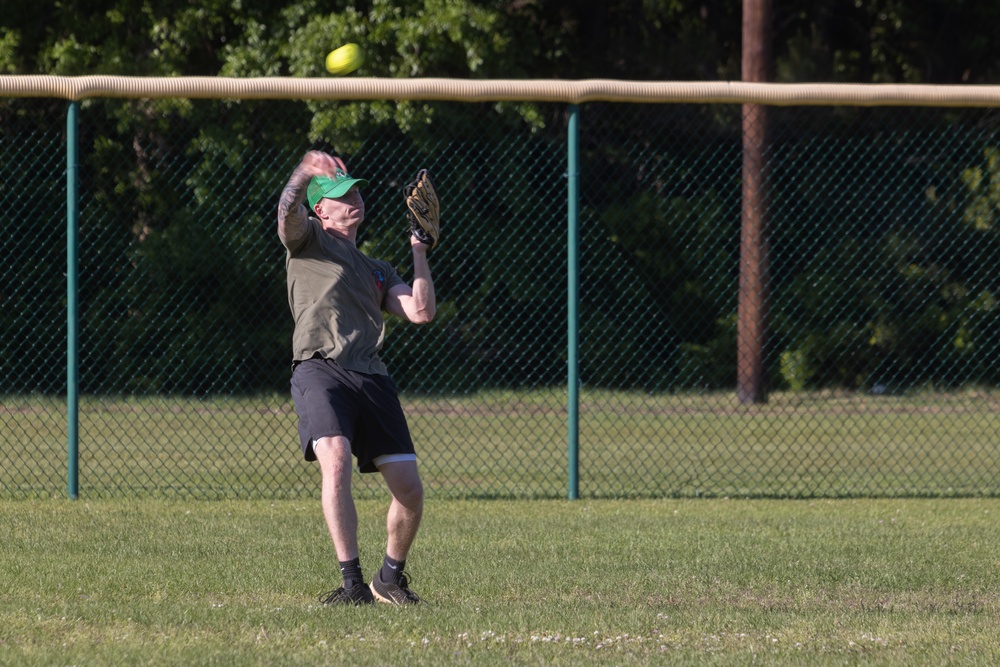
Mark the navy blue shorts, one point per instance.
(365, 409)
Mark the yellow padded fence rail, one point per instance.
(464, 90)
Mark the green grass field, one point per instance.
(532, 582)
(197, 538)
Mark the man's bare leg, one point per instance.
(406, 508)
(402, 523)
(335, 460)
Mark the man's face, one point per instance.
(349, 208)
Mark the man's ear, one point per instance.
(318, 209)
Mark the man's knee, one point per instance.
(414, 493)
(404, 483)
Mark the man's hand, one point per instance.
(318, 163)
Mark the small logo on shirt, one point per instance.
(379, 278)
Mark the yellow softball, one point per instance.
(344, 60)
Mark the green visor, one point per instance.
(324, 186)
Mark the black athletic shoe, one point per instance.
(356, 595)
(393, 593)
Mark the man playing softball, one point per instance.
(346, 402)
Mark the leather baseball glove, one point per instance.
(422, 209)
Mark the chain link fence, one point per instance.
(882, 356)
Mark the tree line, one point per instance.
(860, 299)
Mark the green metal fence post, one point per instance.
(72, 267)
(572, 296)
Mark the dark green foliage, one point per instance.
(882, 223)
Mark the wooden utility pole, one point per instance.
(754, 290)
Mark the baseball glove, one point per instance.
(422, 209)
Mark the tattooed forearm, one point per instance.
(292, 212)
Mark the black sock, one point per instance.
(351, 570)
(391, 569)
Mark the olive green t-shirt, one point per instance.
(336, 294)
